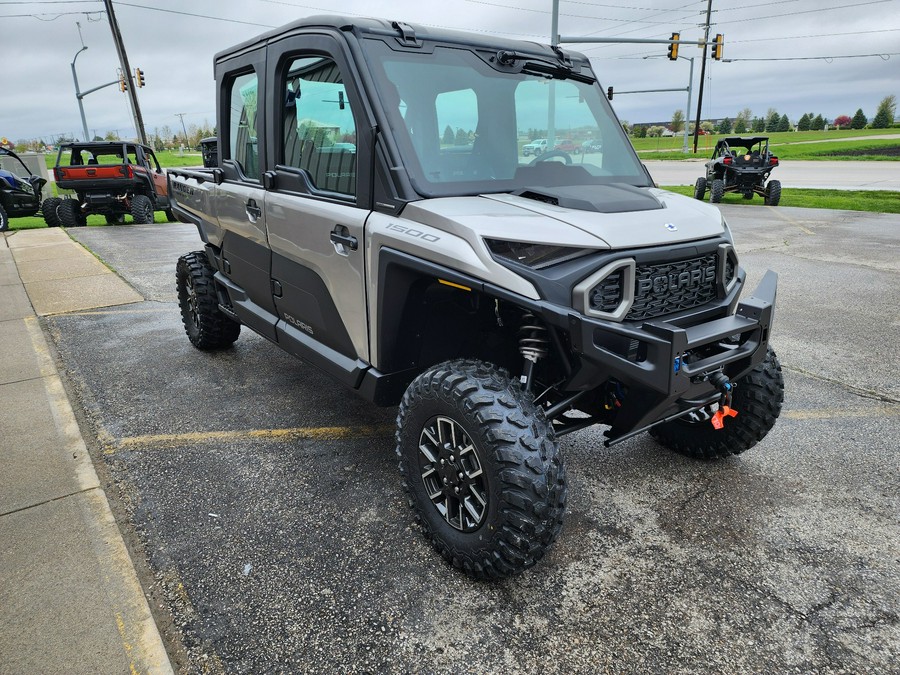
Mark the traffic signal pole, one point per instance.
(126, 72)
(702, 76)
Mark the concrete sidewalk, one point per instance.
(70, 600)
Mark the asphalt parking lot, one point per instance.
(266, 502)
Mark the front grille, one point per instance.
(666, 288)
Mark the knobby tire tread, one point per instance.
(523, 459)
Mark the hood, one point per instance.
(631, 218)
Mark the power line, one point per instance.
(199, 16)
(820, 35)
(883, 55)
(818, 10)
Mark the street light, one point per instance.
(77, 91)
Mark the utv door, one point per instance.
(240, 198)
(317, 205)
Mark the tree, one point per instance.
(818, 124)
(655, 131)
(772, 120)
(724, 126)
(740, 126)
(641, 131)
(677, 121)
(707, 126)
(626, 126)
(747, 115)
(842, 121)
(759, 124)
(803, 123)
(884, 116)
(859, 120)
(784, 124)
(449, 136)
(462, 138)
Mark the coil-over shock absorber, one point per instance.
(534, 341)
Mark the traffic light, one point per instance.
(718, 44)
(673, 46)
(609, 93)
(139, 77)
(123, 84)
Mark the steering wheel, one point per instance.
(550, 155)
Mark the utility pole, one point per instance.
(78, 95)
(126, 71)
(702, 75)
(181, 117)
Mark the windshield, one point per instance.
(472, 129)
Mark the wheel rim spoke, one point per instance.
(452, 474)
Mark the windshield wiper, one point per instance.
(559, 70)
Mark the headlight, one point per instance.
(536, 256)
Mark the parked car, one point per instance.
(593, 145)
(565, 145)
(535, 148)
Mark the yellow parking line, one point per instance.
(112, 445)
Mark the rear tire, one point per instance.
(717, 191)
(773, 193)
(482, 468)
(4, 220)
(757, 398)
(142, 210)
(206, 326)
(48, 210)
(700, 188)
(69, 214)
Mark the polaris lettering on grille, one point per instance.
(667, 283)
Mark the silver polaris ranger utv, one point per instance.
(372, 212)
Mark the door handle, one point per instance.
(341, 235)
(253, 211)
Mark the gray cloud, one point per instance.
(176, 51)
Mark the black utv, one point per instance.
(19, 196)
(740, 165)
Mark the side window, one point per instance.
(319, 131)
(242, 133)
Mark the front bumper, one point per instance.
(665, 364)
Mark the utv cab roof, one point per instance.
(743, 141)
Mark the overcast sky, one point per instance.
(175, 47)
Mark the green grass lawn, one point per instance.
(812, 145)
(876, 201)
(168, 159)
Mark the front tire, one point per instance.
(206, 326)
(757, 398)
(482, 468)
(717, 191)
(48, 210)
(773, 193)
(4, 219)
(142, 210)
(700, 188)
